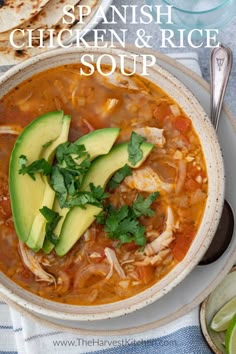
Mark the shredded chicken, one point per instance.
(128, 261)
(118, 80)
(112, 259)
(164, 240)
(154, 260)
(178, 155)
(152, 235)
(63, 282)
(124, 283)
(89, 126)
(145, 179)
(31, 261)
(95, 255)
(153, 135)
(182, 176)
(110, 105)
(10, 129)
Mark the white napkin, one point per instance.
(33, 338)
(21, 334)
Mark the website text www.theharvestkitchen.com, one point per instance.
(106, 343)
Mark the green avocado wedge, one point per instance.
(37, 233)
(78, 220)
(98, 142)
(26, 194)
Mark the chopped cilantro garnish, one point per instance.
(94, 197)
(134, 148)
(142, 206)
(101, 218)
(119, 176)
(68, 173)
(65, 150)
(58, 185)
(52, 218)
(123, 224)
(39, 166)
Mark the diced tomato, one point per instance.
(194, 172)
(182, 124)
(129, 246)
(161, 111)
(191, 185)
(146, 273)
(183, 241)
(25, 274)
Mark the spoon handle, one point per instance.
(221, 65)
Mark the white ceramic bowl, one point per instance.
(210, 220)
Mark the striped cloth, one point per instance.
(21, 335)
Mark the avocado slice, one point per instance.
(37, 233)
(26, 194)
(98, 142)
(78, 220)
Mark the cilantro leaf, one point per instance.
(142, 206)
(58, 184)
(101, 218)
(122, 224)
(81, 200)
(67, 149)
(119, 176)
(68, 173)
(52, 218)
(22, 160)
(134, 148)
(139, 236)
(94, 197)
(114, 219)
(98, 192)
(39, 166)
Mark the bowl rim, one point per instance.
(107, 311)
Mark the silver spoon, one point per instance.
(221, 65)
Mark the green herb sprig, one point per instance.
(39, 166)
(118, 177)
(122, 224)
(134, 148)
(53, 219)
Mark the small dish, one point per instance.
(224, 292)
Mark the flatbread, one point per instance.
(9, 55)
(49, 17)
(15, 12)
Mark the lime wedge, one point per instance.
(230, 338)
(222, 318)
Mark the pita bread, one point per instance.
(49, 17)
(14, 12)
(45, 20)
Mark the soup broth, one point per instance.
(175, 168)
